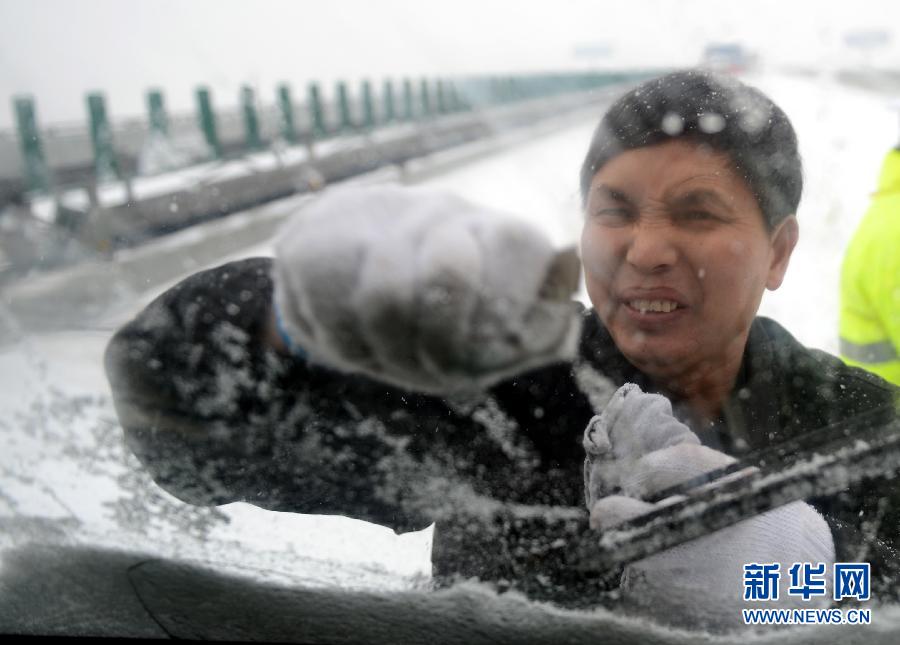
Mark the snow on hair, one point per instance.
(716, 110)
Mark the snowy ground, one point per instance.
(63, 458)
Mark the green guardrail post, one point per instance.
(345, 118)
(37, 173)
(452, 97)
(531, 87)
(286, 112)
(318, 129)
(388, 97)
(106, 165)
(368, 106)
(547, 88)
(207, 119)
(408, 100)
(441, 98)
(456, 98)
(251, 120)
(425, 97)
(495, 93)
(156, 109)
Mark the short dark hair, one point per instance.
(712, 109)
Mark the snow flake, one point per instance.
(711, 122)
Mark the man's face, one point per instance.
(676, 255)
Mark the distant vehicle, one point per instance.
(731, 58)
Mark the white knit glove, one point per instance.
(637, 448)
(422, 289)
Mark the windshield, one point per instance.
(286, 445)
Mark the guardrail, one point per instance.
(142, 180)
(40, 160)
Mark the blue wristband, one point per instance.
(293, 348)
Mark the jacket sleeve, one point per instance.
(187, 371)
(216, 416)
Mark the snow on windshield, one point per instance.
(66, 476)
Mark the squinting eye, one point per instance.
(613, 213)
(697, 216)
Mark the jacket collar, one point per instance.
(749, 419)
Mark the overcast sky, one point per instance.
(56, 50)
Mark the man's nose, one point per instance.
(651, 248)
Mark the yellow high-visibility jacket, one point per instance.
(870, 282)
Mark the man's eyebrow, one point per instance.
(703, 196)
(615, 194)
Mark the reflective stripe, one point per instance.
(882, 352)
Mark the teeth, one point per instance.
(663, 306)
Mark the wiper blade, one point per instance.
(846, 455)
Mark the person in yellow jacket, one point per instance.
(870, 282)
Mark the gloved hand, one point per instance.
(636, 448)
(422, 289)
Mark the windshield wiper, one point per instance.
(816, 464)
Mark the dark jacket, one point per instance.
(216, 417)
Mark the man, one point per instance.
(409, 358)
(870, 281)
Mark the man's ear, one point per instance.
(784, 239)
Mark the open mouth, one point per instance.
(653, 306)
